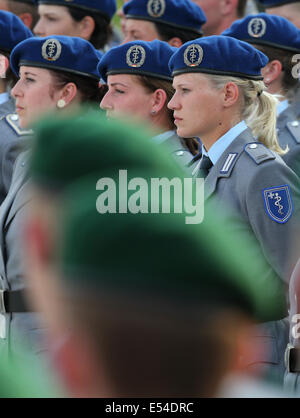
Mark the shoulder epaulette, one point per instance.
(294, 129)
(259, 152)
(13, 122)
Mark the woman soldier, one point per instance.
(220, 97)
(140, 86)
(54, 72)
(87, 19)
(172, 21)
(279, 39)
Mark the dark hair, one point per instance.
(285, 57)
(167, 32)
(19, 7)
(160, 349)
(87, 87)
(151, 84)
(103, 30)
(241, 8)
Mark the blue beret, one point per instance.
(220, 55)
(264, 29)
(138, 57)
(275, 3)
(182, 14)
(57, 52)
(12, 31)
(105, 7)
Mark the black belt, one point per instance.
(292, 359)
(13, 301)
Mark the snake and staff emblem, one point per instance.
(278, 203)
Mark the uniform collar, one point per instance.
(218, 148)
(282, 106)
(4, 97)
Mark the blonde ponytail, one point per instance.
(259, 109)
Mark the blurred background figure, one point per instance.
(140, 87)
(121, 15)
(220, 14)
(26, 10)
(172, 21)
(290, 9)
(279, 40)
(87, 19)
(103, 315)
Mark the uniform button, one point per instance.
(14, 117)
(253, 146)
(295, 123)
(179, 153)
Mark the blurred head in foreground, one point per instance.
(138, 302)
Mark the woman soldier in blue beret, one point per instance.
(55, 72)
(220, 97)
(279, 40)
(140, 86)
(88, 19)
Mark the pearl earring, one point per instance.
(153, 112)
(61, 104)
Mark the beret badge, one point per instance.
(51, 49)
(193, 55)
(135, 56)
(257, 27)
(156, 8)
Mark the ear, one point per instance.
(159, 98)
(86, 27)
(271, 71)
(4, 65)
(230, 94)
(68, 93)
(227, 7)
(176, 42)
(26, 19)
(77, 366)
(37, 241)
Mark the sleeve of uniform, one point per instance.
(273, 206)
(8, 157)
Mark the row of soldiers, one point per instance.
(97, 289)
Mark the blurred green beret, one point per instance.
(70, 147)
(158, 255)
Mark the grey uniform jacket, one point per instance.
(249, 180)
(13, 140)
(178, 149)
(288, 131)
(244, 183)
(12, 210)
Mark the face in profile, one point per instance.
(126, 96)
(35, 94)
(196, 104)
(136, 29)
(56, 20)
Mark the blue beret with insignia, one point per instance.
(264, 29)
(12, 31)
(57, 52)
(107, 8)
(138, 57)
(182, 14)
(220, 55)
(275, 3)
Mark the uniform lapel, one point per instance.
(225, 164)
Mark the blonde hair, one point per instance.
(259, 109)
